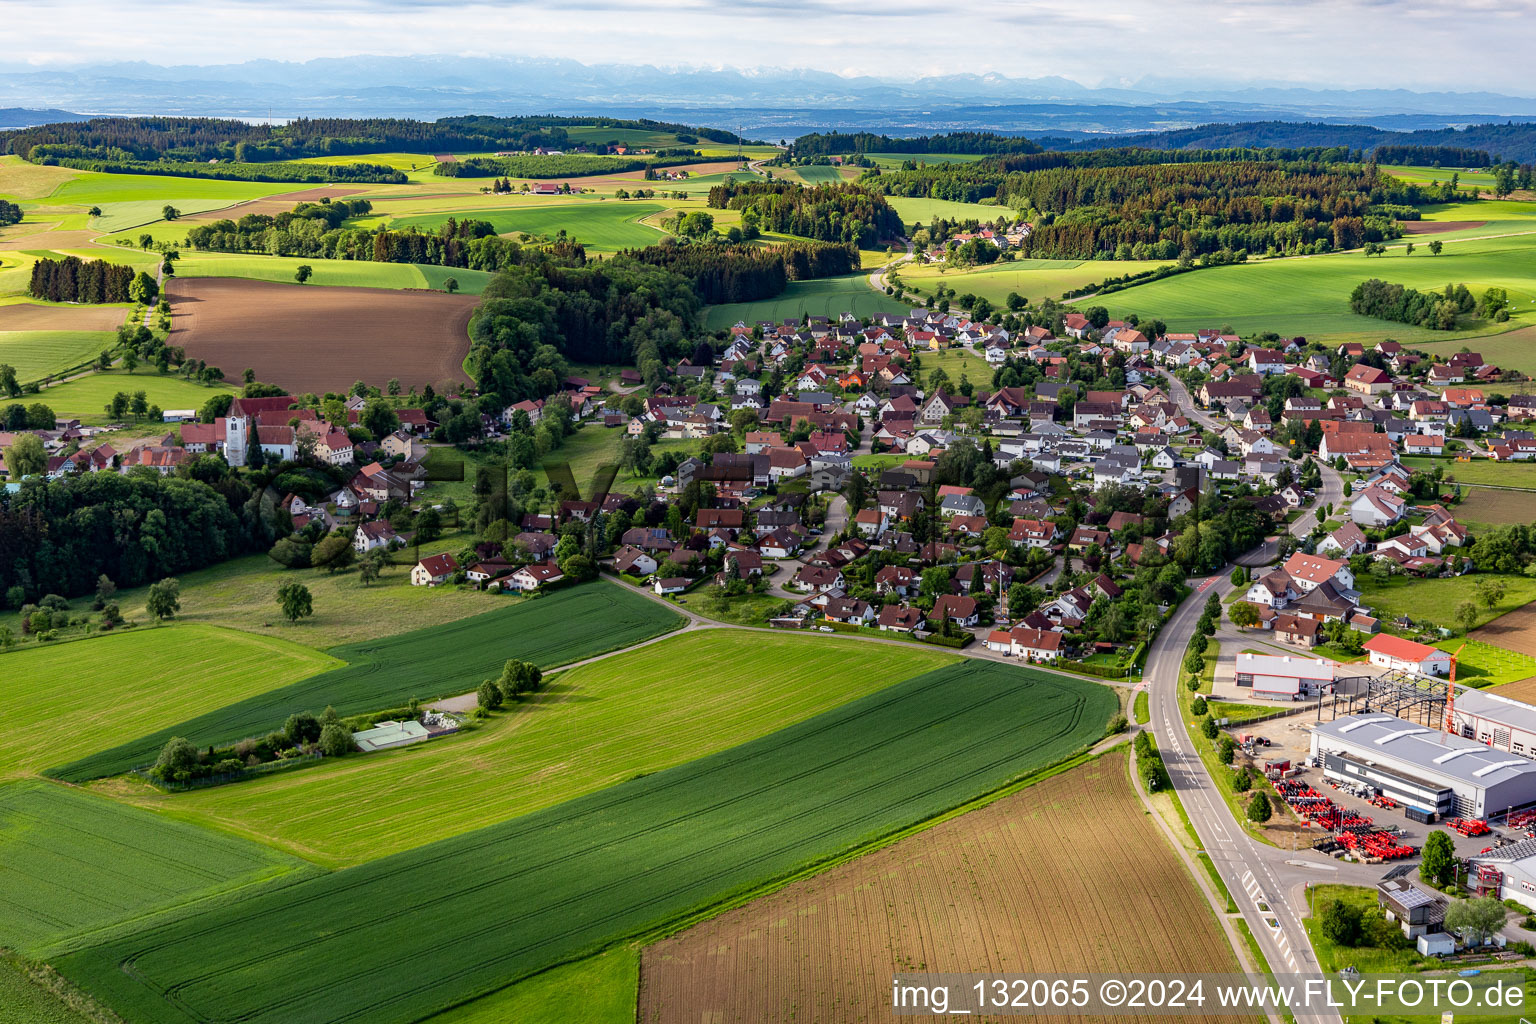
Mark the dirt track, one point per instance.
(1068, 875)
(319, 339)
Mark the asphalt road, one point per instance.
(1254, 872)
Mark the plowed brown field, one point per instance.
(1068, 875)
(1513, 631)
(26, 316)
(273, 205)
(319, 339)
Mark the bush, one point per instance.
(1197, 707)
(1338, 921)
(1209, 729)
(336, 740)
(177, 758)
(1118, 724)
(54, 603)
(302, 727)
(229, 766)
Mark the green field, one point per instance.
(827, 296)
(1436, 600)
(87, 396)
(1480, 176)
(607, 226)
(353, 273)
(895, 160)
(1478, 471)
(38, 354)
(1033, 279)
(23, 1001)
(819, 174)
(71, 862)
(439, 661)
(594, 446)
(137, 212)
(594, 726)
(1482, 507)
(395, 939)
(71, 699)
(1480, 664)
(93, 189)
(603, 986)
(926, 211)
(1310, 295)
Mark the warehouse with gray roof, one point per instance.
(1423, 768)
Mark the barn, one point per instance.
(1422, 768)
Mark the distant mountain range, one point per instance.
(22, 117)
(764, 101)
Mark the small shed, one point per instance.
(1437, 944)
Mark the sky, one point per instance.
(1454, 45)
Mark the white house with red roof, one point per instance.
(1404, 655)
(433, 570)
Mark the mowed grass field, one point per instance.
(1436, 600)
(1481, 507)
(38, 354)
(827, 296)
(1309, 296)
(1033, 279)
(1012, 887)
(591, 727)
(914, 211)
(87, 397)
(439, 661)
(606, 226)
(71, 699)
(396, 939)
(71, 861)
(350, 273)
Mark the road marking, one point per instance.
(1313, 865)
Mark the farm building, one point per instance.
(1281, 677)
(1395, 652)
(1422, 768)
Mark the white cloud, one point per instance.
(1354, 43)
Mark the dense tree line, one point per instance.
(58, 537)
(746, 273)
(203, 139)
(72, 279)
(1512, 141)
(115, 161)
(1435, 310)
(838, 143)
(534, 317)
(827, 213)
(567, 166)
(1431, 156)
(1164, 210)
(10, 213)
(313, 230)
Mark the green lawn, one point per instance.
(1436, 600)
(71, 861)
(87, 396)
(38, 354)
(1033, 279)
(1478, 471)
(1480, 664)
(68, 700)
(1310, 295)
(397, 939)
(354, 273)
(1143, 715)
(827, 296)
(926, 211)
(592, 727)
(606, 226)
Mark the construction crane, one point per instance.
(1449, 727)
